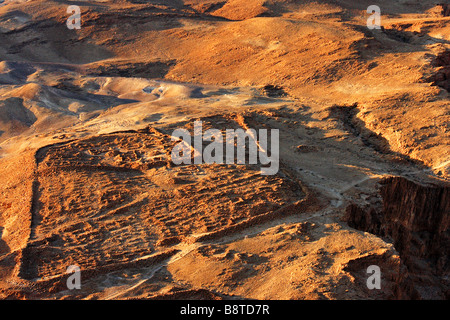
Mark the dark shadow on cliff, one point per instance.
(415, 217)
(348, 117)
(4, 248)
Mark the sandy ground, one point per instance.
(86, 118)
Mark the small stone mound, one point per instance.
(274, 91)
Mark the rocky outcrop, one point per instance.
(442, 77)
(416, 218)
(445, 9)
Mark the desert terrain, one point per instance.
(86, 170)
